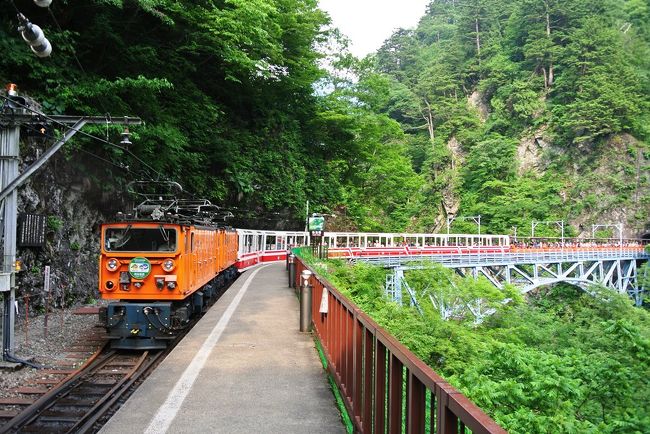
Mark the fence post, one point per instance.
(292, 270)
(305, 301)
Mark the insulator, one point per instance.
(43, 50)
(125, 137)
(33, 34)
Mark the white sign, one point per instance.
(324, 301)
(5, 282)
(46, 283)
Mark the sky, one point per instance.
(368, 23)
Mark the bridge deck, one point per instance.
(244, 368)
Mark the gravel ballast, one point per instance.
(64, 330)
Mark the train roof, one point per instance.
(189, 212)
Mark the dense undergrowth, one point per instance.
(560, 360)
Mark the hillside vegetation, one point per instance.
(521, 110)
(515, 110)
(562, 360)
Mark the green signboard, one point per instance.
(316, 223)
(139, 268)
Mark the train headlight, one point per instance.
(112, 264)
(137, 285)
(171, 285)
(109, 285)
(168, 264)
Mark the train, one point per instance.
(159, 268)
(165, 263)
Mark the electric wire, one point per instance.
(119, 166)
(243, 213)
(185, 191)
(14, 5)
(74, 53)
(58, 26)
(99, 139)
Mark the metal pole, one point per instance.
(9, 181)
(9, 153)
(292, 270)
(305, 301)
(479, 224)
(620, 238)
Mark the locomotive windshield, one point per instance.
(131, 239)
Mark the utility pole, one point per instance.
(9, 153)
(15, 112)
(475, 218)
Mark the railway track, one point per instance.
(87, 398)
(81, 401)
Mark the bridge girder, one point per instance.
(615, 269)
(616, 274)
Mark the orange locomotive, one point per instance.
(161, 268)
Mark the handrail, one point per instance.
(379, 377)
(500, 258)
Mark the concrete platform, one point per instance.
(244, 368)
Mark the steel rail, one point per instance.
(88, 421)
(27, 413)
(32, 415)
(104, 404)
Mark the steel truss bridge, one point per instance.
(616, 268)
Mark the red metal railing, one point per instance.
(385, 387)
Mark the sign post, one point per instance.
(46, 289)
(316, 226)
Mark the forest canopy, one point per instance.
(514, 110)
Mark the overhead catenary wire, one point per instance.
(120, 166)
(99, 139)
(159, 175)
(243, 213)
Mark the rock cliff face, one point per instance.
(607, 183)
(611, 184)
(64, 191)
(530, 152)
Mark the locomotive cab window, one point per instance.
(130, 239)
